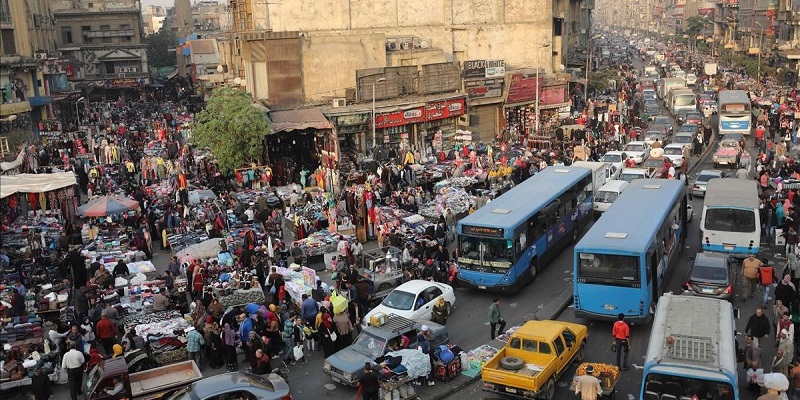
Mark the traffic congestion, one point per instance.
(645, 248)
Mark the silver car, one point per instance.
(700, 183)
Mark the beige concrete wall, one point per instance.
(330, 62)
(415, 57)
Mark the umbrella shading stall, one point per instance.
(107, 205)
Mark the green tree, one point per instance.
(231, 127)
(695, 25)
(160, 48)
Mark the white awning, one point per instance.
(35, 183)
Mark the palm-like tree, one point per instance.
(695, 25)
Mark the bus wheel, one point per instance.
(534, 269)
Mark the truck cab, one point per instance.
(110, 380)
(534, 357)
(347, 365)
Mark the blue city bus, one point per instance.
(623, 262)
(506, 242)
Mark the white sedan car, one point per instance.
(615, 160)
(639, 150)
(675, 152)
(691, 79)
(414, 300)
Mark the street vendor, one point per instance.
(588, 386)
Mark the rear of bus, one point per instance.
(731, 222)
(734, 112)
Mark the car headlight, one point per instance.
(347, 376)
(327, 366)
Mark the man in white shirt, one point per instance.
(73, 362)
(250, 213)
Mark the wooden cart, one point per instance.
(607, 373)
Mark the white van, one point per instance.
(607, 194)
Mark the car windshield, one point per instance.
(613, 158)
(707, 273)
(630, 177)
(706, 177)
(369, 344)
(729, 143)
(682, 139)
(673, 151)
(399, 300)
(653, 135)
(662, 120)
(605, 197)
(653, 163)
(691, 128)
(634, 147)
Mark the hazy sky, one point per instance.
(163, 3)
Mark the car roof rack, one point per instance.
(397, 324)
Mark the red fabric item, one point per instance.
(105, 329)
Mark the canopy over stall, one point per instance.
(35, 183)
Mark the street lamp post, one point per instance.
(77, 112)
(373, 110)
(760, 36)
(538, 86)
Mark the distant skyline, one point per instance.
(162, 3)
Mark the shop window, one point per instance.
(9, 47)
(5, 12)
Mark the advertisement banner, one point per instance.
(480, 88)
(400, 118)
(122, 83)
(552, 95)
(444, 109)
(522, 89)
(484, 68)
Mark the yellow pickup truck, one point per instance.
(534, 358)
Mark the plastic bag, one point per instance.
(298, 352)
(755, 376)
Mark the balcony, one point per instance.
(108, 33)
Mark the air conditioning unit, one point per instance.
(407, 45)
(337, 103)
(133, 69)
(392, 45)
(40, 56)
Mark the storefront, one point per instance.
(483, 83)
(301, 141)
(430, 126)
(526, 95)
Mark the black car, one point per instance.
(711, 275)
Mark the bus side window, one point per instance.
(651, 263)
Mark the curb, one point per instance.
(704, 154)
(562, 305)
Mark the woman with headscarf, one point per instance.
(439, 314)
(345, 328)
(94, 359)
(198, 282)
(214, 344)
(274, 331)
(118, 351)
(198, 315)
(327, 333)
(254, 343)
(229, 343)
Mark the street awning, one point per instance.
(298, 120)
(35, 183)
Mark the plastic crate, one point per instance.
(447, 372)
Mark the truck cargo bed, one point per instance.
(164, 377)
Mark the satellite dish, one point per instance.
(561, 67)
(237, 81)
(424, 44)
(244, 82)
(220, 69)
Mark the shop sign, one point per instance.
(122, 83)
(480, 88)
(49, 129)
(444, 109)
(552, 95)
(484, 68)
(400, 118)
(522, 89)
(351, 120)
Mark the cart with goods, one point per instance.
(607, 374)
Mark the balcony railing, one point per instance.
(108, 33)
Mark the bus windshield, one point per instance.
(488, 252)
(730, 220)
(608, 267)
(689, 388)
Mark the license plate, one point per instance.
(511, 390)
(481, 287)
(707, 290)
(728, 246)
(335, 379)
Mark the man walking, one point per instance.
(194, 344)
(73, 362)
(369, 383)
(750, 272)
(106, 331)
(758, 326)
(588, 386)
(621, 333)
(752, 361)
(495, 318)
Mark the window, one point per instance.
(8, 41)
(608, 268)
(569, 337)
(91, 5)
(105, 27)
(5, 12)
(433, 293)
(730, 220)
(66, 34)
(559, 344)
(106, 40)
(515, 343)
(545, 348)
(124, 26)
(529, 345)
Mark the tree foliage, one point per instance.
(695, 25)
(231, 128)
(160, 48)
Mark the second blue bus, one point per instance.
(505, 243)
(623, 262)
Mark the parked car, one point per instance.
(347, 365)
(685, 140)
(638, 150)
(236, 385)
(607, 194)
(698, 187)
(414, 300)
(689, 128)
(693, 118)
(663, 128)
(711, 275)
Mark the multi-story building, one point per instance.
(758, 24)
(153, 19)
(31, 72)
(211, 16)
(104, 41)
(295, 51)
